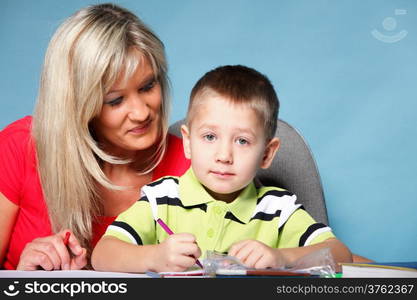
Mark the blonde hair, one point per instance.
(85, 57)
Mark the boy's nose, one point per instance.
(224, 154)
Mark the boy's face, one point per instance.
(226, 144)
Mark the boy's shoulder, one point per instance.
(276, 201)
(169, 179)
(270, 197)
(273, 191)
(161, 187)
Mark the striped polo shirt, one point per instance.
(266, 214)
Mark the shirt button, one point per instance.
(210, 233)
(218, 210)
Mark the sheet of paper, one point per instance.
(69, 274)
(193, 273)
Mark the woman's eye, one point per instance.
(209, 137)
(147, 87)
(242, 141)
(115, 102)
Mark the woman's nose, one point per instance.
(138, 109)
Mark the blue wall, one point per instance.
(352, 95)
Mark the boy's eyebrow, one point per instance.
(206, 125)
(237, 129)
(246, 130)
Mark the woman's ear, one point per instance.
(186, 141)
(270, 151)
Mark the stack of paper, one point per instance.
(384, 270)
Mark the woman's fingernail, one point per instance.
(66, 267)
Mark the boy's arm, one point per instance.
(302, 235)
(255, 254)
(112, 254)
(128, 243)
(176, 253)
(339, 251)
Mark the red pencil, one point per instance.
(66, 239)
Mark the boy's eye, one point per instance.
(147, 87)
(209, 137)
(242, 141)
(115, 102)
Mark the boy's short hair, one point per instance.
(241, 85)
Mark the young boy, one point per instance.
(215, 205)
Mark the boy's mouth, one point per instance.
(222, 174)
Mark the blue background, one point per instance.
(351, 95)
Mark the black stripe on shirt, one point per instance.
(265, 217)
(177, 202)
(129, 229)
(232, 217)
(276, 194)
(309, 231)
(169, 201)
(159, 181)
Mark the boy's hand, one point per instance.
(177, 253)
(255, 254)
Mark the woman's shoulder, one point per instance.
(16, 141)
(174, 162)
(19, 127)
(174, 142)
(17, 158)
(17, 134)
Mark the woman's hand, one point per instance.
(255, 254)
(177, 253)
(50, 253)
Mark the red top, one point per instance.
(19, 183)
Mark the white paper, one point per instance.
(68, 274)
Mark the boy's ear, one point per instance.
(270, 151)
(186, 141)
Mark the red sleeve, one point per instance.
(174, 162)
(14, 153)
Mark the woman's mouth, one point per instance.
(141, 129)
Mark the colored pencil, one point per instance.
(66, 239)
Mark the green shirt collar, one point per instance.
(193, 193)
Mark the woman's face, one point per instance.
(130, 118)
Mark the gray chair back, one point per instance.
(293, 169)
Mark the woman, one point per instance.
(98, 134)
